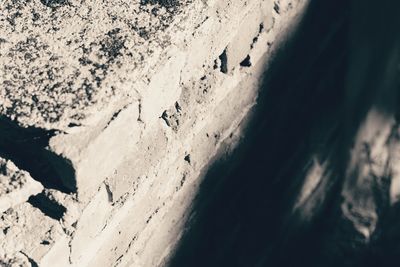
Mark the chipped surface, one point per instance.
(16, 186)
(136, 109)
(25, 229)
(61, 61)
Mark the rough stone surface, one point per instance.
(126, 105)
(16, 186)
(61, 61)
(27, 230)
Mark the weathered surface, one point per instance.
(128, 105)
(16, 186)
(63, 61)
(26, 230)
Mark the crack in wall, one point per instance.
(31, 261)
(114, 116)
(224, 62)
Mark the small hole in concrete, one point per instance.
(224, 62)
(246, 62)
(187, 158)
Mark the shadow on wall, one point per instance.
(27, 148)
(278, 200)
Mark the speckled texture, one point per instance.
(62, 60)
(11, 178)
(16, 185)
(138, 109)
(18, 260)
(31, 235)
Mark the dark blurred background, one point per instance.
(341, 63)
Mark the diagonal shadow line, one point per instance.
(240, 213)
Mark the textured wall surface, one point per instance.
(111, 112)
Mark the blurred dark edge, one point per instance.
(342, 60)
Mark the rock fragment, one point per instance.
(26, 229)
(16, 186)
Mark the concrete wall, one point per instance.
(164, 90)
